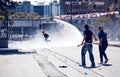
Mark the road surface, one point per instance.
(58, 62)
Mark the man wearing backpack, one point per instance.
(103, 44)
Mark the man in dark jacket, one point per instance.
(87, 41)
(103, 44)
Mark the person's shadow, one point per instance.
(8, 51)
(107, 64)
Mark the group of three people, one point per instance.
(87, 45)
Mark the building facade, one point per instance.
(41, 9)
(54, 8)
(24, 7)
(82, 6)
(48, 10)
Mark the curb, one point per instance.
(114, 45)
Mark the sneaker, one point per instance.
(82, 65)
(100, 63)
(93, 66)
(106, 61)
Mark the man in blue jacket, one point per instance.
(103, 44)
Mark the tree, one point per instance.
(102, 20)
(5, 5)
(23, 15)
(33, 15)
(111, 8)
(18, 15)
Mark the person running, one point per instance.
(45, 35)
(87, 46)
(103, 44)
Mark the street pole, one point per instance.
(32, 22)
(114, 9)
(4, 40)
(71, 11)
(51, 11)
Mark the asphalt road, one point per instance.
(58, 62)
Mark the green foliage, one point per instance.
(102, 20)
(23, 15)
(19, 15)
(119, 1)
(5, 5)
(118, 20)
(1, 17)
(111, 7)
(31, 15)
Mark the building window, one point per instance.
(86, 0)
(99, 0)
(91, 0)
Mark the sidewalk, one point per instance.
(19, 65)
(115, 43)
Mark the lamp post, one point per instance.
(5, 5)
(32, 20)
(51, 11)
(114, 9)
(4, 37)
(70, 11)
(5, 40)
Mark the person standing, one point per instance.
(87, 46)
(103, 44)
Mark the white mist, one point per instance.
(64, 34)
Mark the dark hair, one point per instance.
(43, 31)
(86, 26)
(100, 27)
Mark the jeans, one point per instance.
(85, 48)
(102, 52)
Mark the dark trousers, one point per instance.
(85, 48)
(46, 39)
(102, 52)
